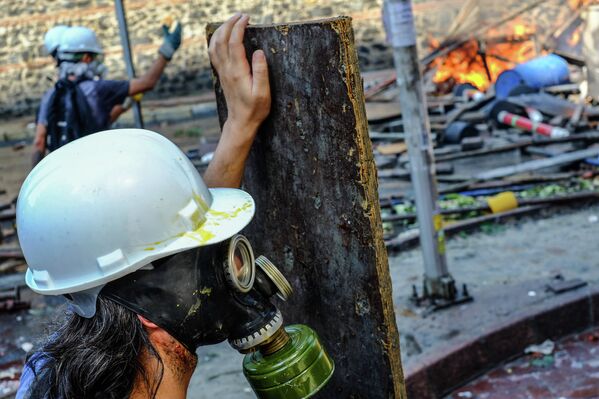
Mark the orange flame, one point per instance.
(466, 64)
(576, 4)
(574, 39)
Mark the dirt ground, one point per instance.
(529, 251)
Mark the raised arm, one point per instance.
(247, 93)
(146, 82)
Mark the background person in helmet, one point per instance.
(118, 353)
(81, 54)
(52, 41)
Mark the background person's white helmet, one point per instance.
(79, 39)
(110, 203)
(52, 38)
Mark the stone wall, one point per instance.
(24, 68)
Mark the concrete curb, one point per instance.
(445, 370)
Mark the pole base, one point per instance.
(439, 294)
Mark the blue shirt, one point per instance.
(101, 95)
(27, 379)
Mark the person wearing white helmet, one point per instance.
(149, 259)
(52, 40)
(51, 44)
(97, 102)
(79, 40)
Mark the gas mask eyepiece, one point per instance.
(240, 269)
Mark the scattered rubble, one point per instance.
(546, 348)
(506, 115)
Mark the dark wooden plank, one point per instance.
(4, 216)
(312, 174)
(11, 254)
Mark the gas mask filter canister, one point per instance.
(219, 292)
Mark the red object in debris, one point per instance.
(13, 305)
(528, 125)
(593, 337)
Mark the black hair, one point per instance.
(99, 357)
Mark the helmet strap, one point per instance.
(84, 302)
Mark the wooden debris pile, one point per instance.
(501, 131)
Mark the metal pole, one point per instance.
(124, 33)
(400, 28)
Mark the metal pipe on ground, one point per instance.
(537, 164)
(528, 125)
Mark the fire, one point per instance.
(574, 39)
(520, 30)
(576, 4)
(470, 64)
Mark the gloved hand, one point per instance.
(128, 103)
(172, 41)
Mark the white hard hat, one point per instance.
(110, 203)
(53, 36)
(79, 39)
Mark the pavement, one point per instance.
(571, 371)
(506, 268)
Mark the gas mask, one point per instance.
(81, 70)
(220, 292)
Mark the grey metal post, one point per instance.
(400, 28)
(124, 33)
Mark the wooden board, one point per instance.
(380, 112)
(312, 174)
(393, 148)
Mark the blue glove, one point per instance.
(172, 41)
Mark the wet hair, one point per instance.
(99, 357)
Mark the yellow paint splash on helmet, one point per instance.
(200, 201)
(232, 214)
(200, 235)
(198, 217)
(201, 232)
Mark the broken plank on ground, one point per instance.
(392, 149)
(538, 164)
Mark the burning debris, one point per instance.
(512, 115)
(480, 61)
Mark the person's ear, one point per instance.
(147, 323)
